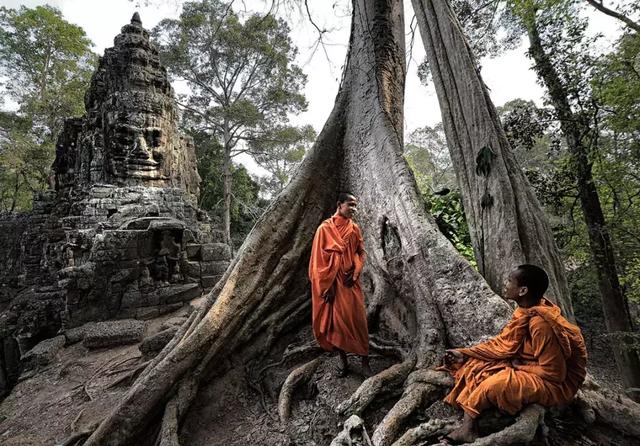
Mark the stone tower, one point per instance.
(129, 136)
(121, 234)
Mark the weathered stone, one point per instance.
(181, 293)
(193, 252)
(210, 281)
(112, 333)
(216, 252)
(74, 335)
(43, 353)
(213, 268)
(173, 322)
(152, 345)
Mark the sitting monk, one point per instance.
(538, 357)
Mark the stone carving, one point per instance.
(128, 136)
(121, 235)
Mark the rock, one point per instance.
(210, 281)
(43, 353)
(153, 344)
(74, 335)
(113, 333)
(216, 252)
(173, 322)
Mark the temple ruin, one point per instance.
(120, 234)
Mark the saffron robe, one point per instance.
(553, 357)
(338, 248)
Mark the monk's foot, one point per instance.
(460, 436)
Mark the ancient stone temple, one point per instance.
(120, 235)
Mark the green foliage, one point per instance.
(281, 153)
(46, 64)
(247, 205)
(243, 84)
(617, 85)
(428, 157)
(448, 213)
(240, 73)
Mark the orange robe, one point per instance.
(337, 248)
(553, 356)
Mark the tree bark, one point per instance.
(576, 130)
(507, 224)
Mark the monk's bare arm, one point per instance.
(551, 364)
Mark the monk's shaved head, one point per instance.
(345, 196)
(534, 278)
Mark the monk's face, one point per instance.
(348, 208)
(512, 289)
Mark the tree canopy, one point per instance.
(45, 67)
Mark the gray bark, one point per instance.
(507, 223)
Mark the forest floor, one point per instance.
(81, 386)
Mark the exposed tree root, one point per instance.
(611, 408)
(291, 353)
(386, 348)
(389, 378)
(353, 434)
(79, 437)
(431, 428)
(168, 435)
(129, 376)
(297, 377)
(423, 387)
(522, 431)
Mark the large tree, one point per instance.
(507, 224)
(423, 296)
(45, 67)
(242, 79)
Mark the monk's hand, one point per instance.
(349, 279)
(454, 357)
(329, 295)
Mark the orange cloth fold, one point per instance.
(337, 249)
(551, 366)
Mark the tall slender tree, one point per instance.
(567, 94)
(45, 67)
(241, 75)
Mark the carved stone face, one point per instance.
(137, 153)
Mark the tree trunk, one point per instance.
(227, 181)
(507, 224)
(422, 295)
(576, 131)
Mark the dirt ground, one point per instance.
(82, 386)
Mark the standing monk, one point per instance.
(538, 357)
(337, 259)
